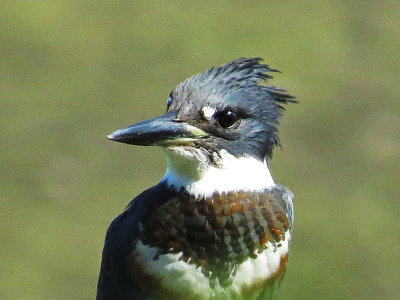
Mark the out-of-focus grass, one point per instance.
(72, 71)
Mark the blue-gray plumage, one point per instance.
(238, 87)
(217, 213)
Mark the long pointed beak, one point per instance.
(165, 130)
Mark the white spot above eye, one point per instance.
(208, 112)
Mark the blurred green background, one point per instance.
(73, 71)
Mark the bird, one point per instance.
(216, 226)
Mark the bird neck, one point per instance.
(196, 175)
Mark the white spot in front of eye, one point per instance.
(208, 112)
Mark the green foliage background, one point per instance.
(73, 71)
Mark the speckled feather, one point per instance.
(214, 235)
(220, 232)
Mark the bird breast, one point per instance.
(220, 245)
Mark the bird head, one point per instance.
(228, 110)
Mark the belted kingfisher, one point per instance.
(216, 226)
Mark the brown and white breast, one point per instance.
(223, 246)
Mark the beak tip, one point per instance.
(110, 136)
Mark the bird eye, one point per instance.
(227, 118)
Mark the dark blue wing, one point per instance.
(115, 280)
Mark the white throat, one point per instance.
(191, 171)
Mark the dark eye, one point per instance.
(227, 118)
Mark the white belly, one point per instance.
(176, 275)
